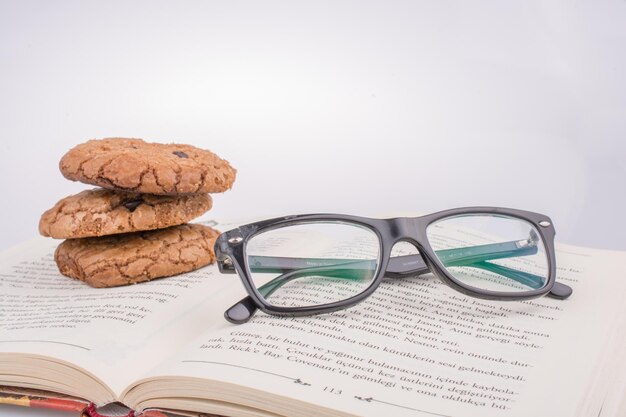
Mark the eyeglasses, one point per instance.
(319, 263)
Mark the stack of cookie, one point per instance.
(134, 229)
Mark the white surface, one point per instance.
(355, 107)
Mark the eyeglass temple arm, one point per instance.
(355, 272)
(410, 265)
(449, 257)
(400, 266)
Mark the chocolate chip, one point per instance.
(131, 205)
(180, 154)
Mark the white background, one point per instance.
(354, 107)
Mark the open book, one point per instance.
(414, 348)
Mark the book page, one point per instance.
(115, 333)
(418, 348)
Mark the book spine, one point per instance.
(69, 405)
(59, 404)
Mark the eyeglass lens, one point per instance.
(489, 252)
(313, 264)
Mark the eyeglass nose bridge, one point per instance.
(408, 230)
(404, 229)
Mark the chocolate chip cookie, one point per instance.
(100, 212)
(154, 168)
(116, 260)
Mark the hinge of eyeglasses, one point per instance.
(226, 266)
(530, 242)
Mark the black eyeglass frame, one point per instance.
(230, 250)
